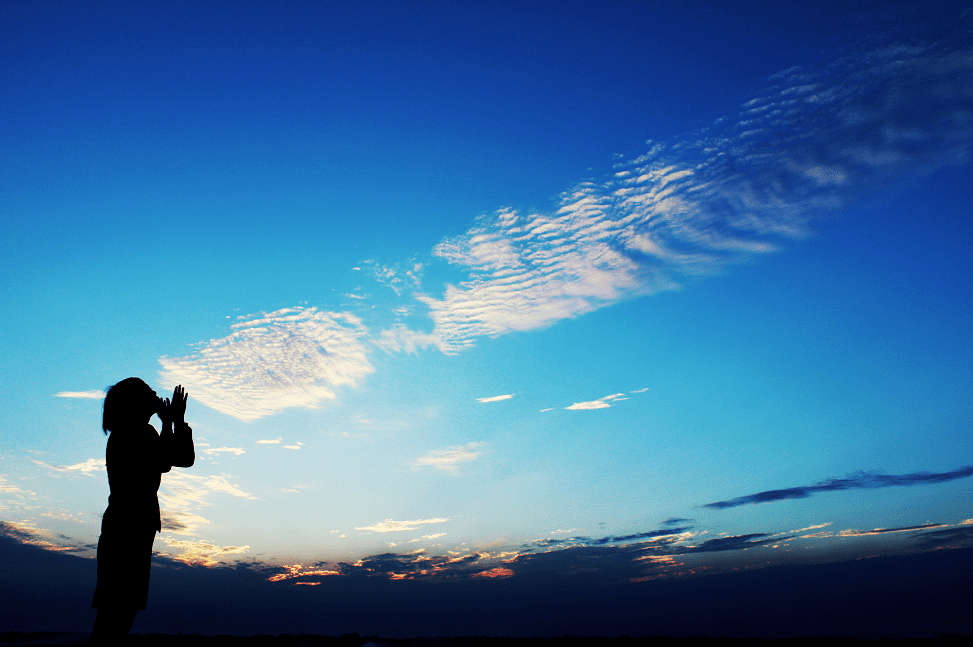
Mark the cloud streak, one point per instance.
(496, 398)
(860, 481)
(812, 143)
(87, 467)
(600, 403)
(81, 395)
(293, 357)
(390, 525)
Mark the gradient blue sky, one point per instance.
(452, 287)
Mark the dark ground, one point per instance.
(16, 638)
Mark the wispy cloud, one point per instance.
(183, 495)
(270, 442)
(600, 403)
(293, 357)
(13, 496)
(225, 450)
(87, 467)
(860, 481)
(812, 143)
(390, 525)
(81, 395)
(449, 459)
(496, 398)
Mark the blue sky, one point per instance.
(452, 289)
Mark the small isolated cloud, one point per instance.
(293, 357)
(600, 403)
(496, 398)
(298, 570)
(390, 525)
(270, 442)
(547, 409)
(495, 573)
(87, 467)
(859, 481)
(81, 395)
(298, 446)
(448, 459)
(640, 390)
(228, 450)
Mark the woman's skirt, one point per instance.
(124, 561)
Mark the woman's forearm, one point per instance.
(184, 451)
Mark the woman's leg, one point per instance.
(111, 625)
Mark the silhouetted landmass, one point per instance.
(17, 638)
(912, 595)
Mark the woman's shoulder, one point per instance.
(132, 437)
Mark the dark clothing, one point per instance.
(136, 459)
(124, 561)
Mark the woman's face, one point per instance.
(152, 402)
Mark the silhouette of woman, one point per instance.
(136, 458)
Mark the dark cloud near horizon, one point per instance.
(885, 531)
(611, 539)
(738, 542)
(950, 537)
(859, 481)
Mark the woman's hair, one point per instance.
(124, 403)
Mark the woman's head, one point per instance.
(130, 402)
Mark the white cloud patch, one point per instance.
(293, 357)
(81, 395)
(270, 442)
(390, 525)
(450, 458)
(813, 142)
(600, 403)
(201, 553)
(593, 404)
(496, 398)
